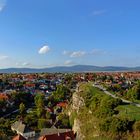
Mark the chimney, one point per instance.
(58, 134)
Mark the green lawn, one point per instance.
(129, 111)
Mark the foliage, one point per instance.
(110, 102)
(24, 97)
(134, 92)
(115, 125)
(61, 93)
(31, 119)
(129, 111)
(40, 112)
(100, 116)
(39, 102)
(103, 112)
(63, 121)
(96, 100)
(72, 117)
(103, 106)
(43, 123)
(48, 115)
(136, 126)
(5, 129)
(22, 109)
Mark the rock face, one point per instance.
(77, 102)
(76, 129)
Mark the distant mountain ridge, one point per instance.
(76, 68)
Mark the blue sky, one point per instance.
(45, 33)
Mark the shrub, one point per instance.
(43, 123)
(136, 126)
(116, 125)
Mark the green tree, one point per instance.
(39, 102)
(136, 126)
(109, 102)
(48, 115)
(61, 93)
(31, 119)
(115, 125)
(43, 123)
(22, 109)
(63, 121)
(134, 92)
(96, 100)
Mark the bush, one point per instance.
(136, 126)
(106, 107)
(116, 125)
(105, 124)
(43, 123)
(104, 112)
(95, 102)
(72, 118)
(63, 121)
(110, 102)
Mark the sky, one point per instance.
(47, 33)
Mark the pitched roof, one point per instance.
(19, 126)
(50, 131)
(59, 136)
(3, 96)
(18, 137)
(62, 104)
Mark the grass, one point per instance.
(129, 111)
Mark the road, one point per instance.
(114, 96)
(7, 115)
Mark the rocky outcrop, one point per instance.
(77, 102)
(77, 130)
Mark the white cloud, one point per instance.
(23, 64)
(68, 62)
(77, 54)
(45, 49)
(98, 12)
(3, 57)
(26, 64)
(74, 54)
(2, 4)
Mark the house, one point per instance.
(57, 134)
(18, 137)
(62, 104)
(29, 86)
(3, 96)
(22, 130)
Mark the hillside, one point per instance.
(76, 68)
(97, 116)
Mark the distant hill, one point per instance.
(76, 68)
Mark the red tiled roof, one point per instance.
(62, 104)
(30, 85)
(60, 136)
(3, 96)
(18, 137)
